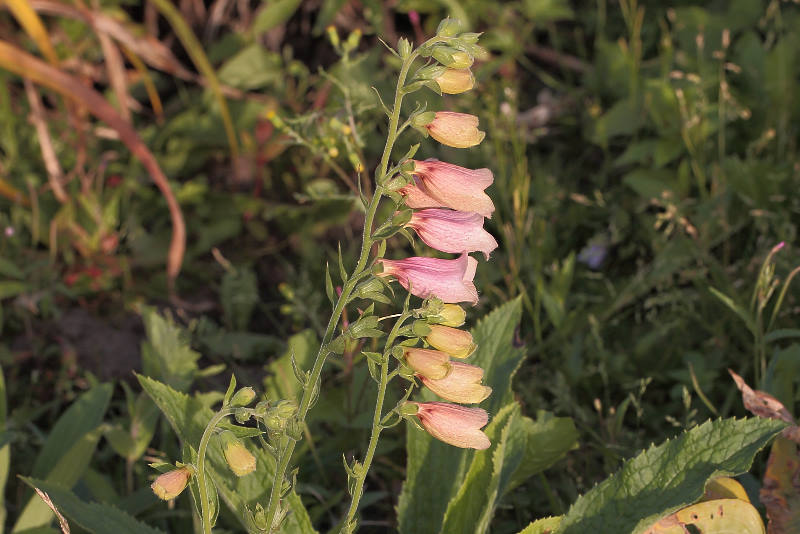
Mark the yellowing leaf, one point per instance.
(721, 516)
(724, 488)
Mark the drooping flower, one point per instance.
(452, 231)
(170, 484)
(449, 280)
(457, 343)
(455, 81)
(454, 424)
(239, 459)
(458, 130)
(428, 363)
(462, 384)
(439, 184)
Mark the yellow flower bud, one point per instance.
(452, 315)
(240, 460)
(170, 484)
(457, 343)
(455, 81)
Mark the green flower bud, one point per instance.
(448, 27)
(243, 397)
(452, 58)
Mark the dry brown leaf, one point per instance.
(62, 522)
(761, 403)
(780, 493)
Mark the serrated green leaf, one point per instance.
(166, 354)
(545, 525)
(435, 470)
(667, 477)
(472, 508)
(93, 517)
(188, 418)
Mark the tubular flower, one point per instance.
(440, 184)
(462, 384)
(239, 459)
(452, 231)
(170, 484)
(428, 363)
(455, 81)
(457, 343)
(449, 280)
(458, 130)
(453, 424)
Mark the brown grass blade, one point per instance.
(55, 175)
(115, 67)
(24, 64)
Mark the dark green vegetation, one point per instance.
(645, 160)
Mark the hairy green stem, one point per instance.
(285, 454)
(205, 507)
(377, 425)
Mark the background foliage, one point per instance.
(645, 161)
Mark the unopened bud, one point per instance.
(448, 27)
(455, 81)
(170, 484)
(243, 397)
(286, 409)
(408, 408)
(450, 57)
(452, 315)
(239, 459)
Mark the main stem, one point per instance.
(205, 508)
(366, 244)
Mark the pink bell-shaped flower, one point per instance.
(462, 384)
(439, 184)
(453, 231)
(449, 280)
(456, 425)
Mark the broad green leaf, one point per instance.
(548, 440)
(254, 67)
(94, 517)
(545, 525)
(435, 470)
(188, 418)
(82, 417)
(67, 471)
(667, 477)
(166, 354)
(12, 288)
(722, 516)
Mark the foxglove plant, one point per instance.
(446, 206)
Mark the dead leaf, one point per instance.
(763, 404)
(780, 493)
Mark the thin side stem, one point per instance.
(377, 426)
(205, 508)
